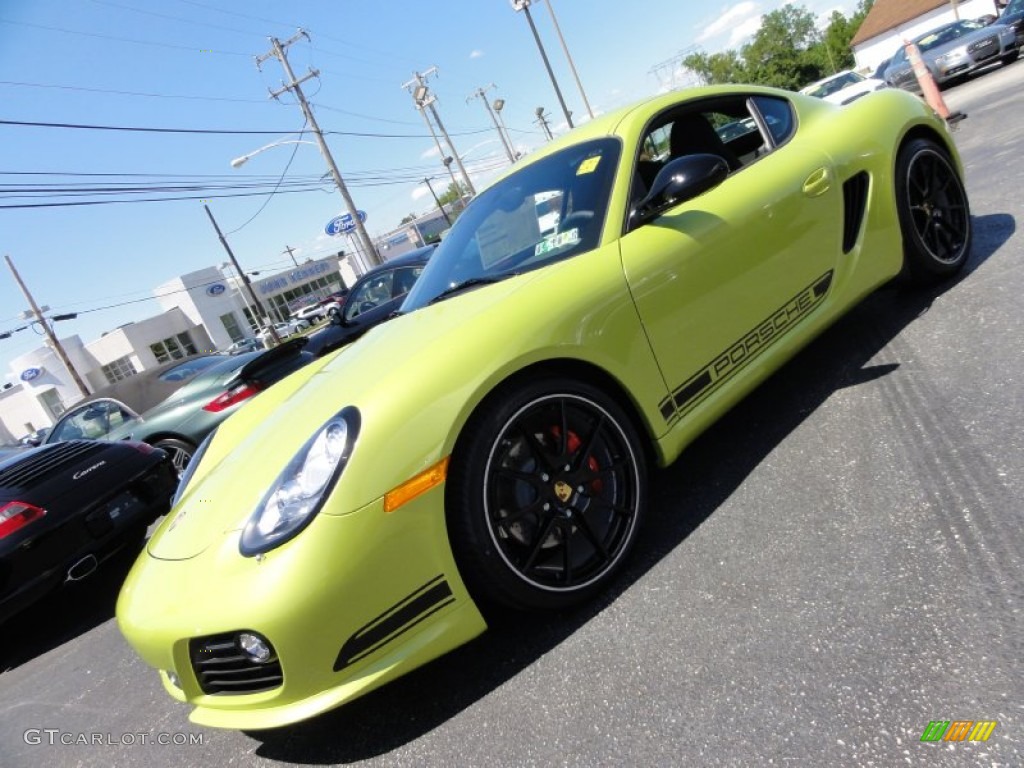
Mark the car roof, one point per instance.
(143, 390)
(419, 256)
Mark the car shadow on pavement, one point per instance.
(683, 496)
(66, 613)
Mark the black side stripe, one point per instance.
(395, 621)
(741, 352)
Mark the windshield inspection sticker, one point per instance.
(588, 166)
(553, 242)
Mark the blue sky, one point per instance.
(190, 64)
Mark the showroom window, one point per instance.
(174, 348)
(119, 370)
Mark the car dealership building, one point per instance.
(201, 312)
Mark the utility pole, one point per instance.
(438, 201)
(423, 98)
(278, 52)
(499, 105)
(264, 318)
(481, 93)
(543, 122)
(288, 249)
(54, 342)
(572, 66)
(524, 6)
(446, 160)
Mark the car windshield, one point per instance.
(834, 85)
(549, 210)
(1015, 6)
(93, 421)
(945, 35)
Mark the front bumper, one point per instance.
(352, 602)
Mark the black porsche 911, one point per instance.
(67, 507)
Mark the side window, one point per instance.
(372, 293)
(405, 279)
(778, 117)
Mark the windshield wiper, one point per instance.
(470, 283)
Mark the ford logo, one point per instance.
(30, 374)
(216, 289)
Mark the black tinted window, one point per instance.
(778, 117)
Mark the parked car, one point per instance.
(843, 87)
(179, 423)
(1013, 16)
(490, 445)
(244, 345)
(66, 508)
(266, 338)
(373, 299)
(35, 437)
(954, 51)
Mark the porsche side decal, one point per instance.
(396, 620)
(746, 348)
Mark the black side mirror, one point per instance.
(680, 180)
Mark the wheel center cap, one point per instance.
(563, 490)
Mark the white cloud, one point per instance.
(476, 54)
(744, 31)
(740, 14)
(419, 192)
(432, 152)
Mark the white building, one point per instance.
(204, 311)
(890, 22)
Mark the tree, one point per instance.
(717, 68)
(407, 218)
(782, 51)
(453, 193)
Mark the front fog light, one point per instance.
(255, 647)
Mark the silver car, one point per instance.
(954, 51)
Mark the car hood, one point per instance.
(252, 447)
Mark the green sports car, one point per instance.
(588, 315)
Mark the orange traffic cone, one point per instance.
(929, 87)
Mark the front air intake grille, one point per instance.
(221, 667)
(855, 199)
(46, 461)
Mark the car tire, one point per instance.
(179, 451)
(546, 493)
(934, 214)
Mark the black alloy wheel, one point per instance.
(549, 493)
(934, 214)
(179, 451)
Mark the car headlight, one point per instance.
(300, 490)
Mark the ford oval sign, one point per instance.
(340, 225)
(216, 289)
(31, 374)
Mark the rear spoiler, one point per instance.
(251, 371)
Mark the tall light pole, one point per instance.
(436, 200)
(423, 98)
(481, 93)
(499, 104)
(572, 66)
(278, 52)
(55, 344)
(524, 6)
(542, 119)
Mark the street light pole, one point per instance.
(499, 104)
(278, 52)
(524, 6)
(54, 342)
(481, 93)
(572, 66)
(422, 97)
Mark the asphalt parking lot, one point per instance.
(834, 565)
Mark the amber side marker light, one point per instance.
(416, 485)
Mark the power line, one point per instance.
(132, 93)
(123, 39)
(142, 129)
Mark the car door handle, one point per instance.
(817, 183)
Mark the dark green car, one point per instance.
(216, 387)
